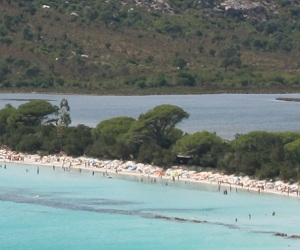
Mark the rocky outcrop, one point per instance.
(254, 9)
(155, 5)
(249, 9)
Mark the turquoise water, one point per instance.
(71, 210)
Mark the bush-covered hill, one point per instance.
(150, 46)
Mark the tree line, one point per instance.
(40, 127)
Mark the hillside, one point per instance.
(150, 46)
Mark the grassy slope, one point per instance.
(118, 53)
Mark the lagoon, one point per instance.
(224, 114)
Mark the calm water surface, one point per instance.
(70, 210)
(59, 210)
(225, 114)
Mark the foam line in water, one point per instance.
(68, 206)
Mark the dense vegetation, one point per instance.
(39, 127)
(110, 47)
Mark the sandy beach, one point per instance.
(111, 168)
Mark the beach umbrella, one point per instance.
(159, 171)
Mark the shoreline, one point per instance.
(110, 168)
(288, 99)
(143, 93)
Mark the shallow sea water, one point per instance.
(71, 210)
